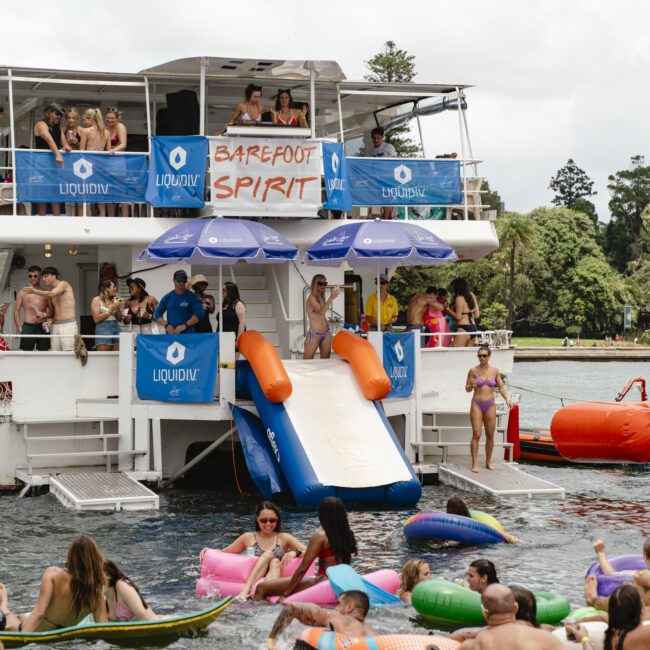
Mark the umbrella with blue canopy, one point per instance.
(220, 241)
(379, 243)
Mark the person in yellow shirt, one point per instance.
(388, 306)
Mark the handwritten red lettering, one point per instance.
(276, 184)
(265, 156)
(253, 152)
(220, 184)
(241, 183)
(303, 181)
(221, 153)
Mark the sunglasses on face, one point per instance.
(268, 521)
(181, 281)
(323, 283)
(33, 275)
(482, 356)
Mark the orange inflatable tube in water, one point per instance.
(603, 432)
(367, 368)
(266, 365)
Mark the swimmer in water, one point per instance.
(413, 573)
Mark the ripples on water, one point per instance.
(160, 550)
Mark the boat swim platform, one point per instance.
(506, 480)
(102, 491)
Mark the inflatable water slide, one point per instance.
(321, 429)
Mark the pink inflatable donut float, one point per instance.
(225, 574)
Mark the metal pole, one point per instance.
(312, 99)
(338, 102)
(204, 65)
(469, 142)
(146, 99)
(424, 153)
(463, 153)
(12, 134)
(378, 301)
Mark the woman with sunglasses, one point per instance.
(319, 336)
(285, 114)
(268, 543)
(483, 379)
(117, 141)
(331, 544)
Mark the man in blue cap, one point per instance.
(183, 307)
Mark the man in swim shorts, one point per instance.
(502, 631)
(36, 309)
(348, 617)
(65, 310)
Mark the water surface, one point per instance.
(160, 550)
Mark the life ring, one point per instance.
(442, 601)
(440, 525)
(323, 639)
(625, 566)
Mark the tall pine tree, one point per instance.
(393, 65)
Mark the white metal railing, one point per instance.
(493, 338)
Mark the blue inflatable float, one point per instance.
(443, 526)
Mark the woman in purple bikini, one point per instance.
(482, 379)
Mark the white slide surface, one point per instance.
(343, 435)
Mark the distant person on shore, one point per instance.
(565, 342)
(413, 573)
(319, 335)
(483, 379)
(481, 574)
(36, 310)
(418, 306)
(68, 595)
(465, 312)
(502, 631)
(389, 310)
(61, 295)
(347, 618)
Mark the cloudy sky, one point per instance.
(554, 79)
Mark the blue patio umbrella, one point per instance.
(220, 241)
(379, 243)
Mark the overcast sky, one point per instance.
(555, 79)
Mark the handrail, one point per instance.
(280, 297)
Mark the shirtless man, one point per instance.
(418, 304)
(36, 310)
(65, 310)
(48, 134)
(348, 617)
(502, 631)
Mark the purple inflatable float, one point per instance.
(625, 566)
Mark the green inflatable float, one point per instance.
(442, 601)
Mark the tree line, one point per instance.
(559, 270)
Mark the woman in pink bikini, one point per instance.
(124, 602)
(483, 379)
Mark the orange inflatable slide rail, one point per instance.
(266, 365)
(367, 367)
(603, 432)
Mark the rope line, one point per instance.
(562, 398)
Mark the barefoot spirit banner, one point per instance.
(265, 176)
(84, 176)
(176, 368)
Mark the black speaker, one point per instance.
(182, 117)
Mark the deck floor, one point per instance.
(507, 479)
